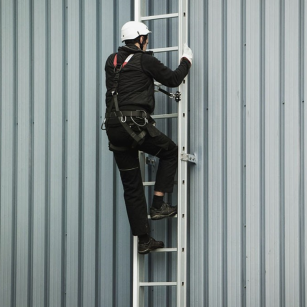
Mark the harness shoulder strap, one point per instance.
(125, 62)
(137, 137)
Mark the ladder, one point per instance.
(138, 260)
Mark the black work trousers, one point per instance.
(127, 161)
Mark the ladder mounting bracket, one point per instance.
(188, 158)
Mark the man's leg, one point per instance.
(167, 151)
(128, 165)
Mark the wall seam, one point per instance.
(282, 155)
(81, 164)
(243, 152)
(206, 154)
(114, 239)
(15, 149)
(47, 153)
(302, 157)
(205, 175)
(262, 157)
(31, 162)
(64, 156)
(224, 161)
(98, 160)
(1, 129)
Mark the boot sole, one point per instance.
(160, 217)
(147, 251)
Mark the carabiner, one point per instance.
(103, 124)
(145, 121)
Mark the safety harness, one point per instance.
(122, 115)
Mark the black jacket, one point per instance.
(136, 83)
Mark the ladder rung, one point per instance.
(173, 217)
(151, 183)
(164, 16)
(165, 250)
(148, 183)
(159, 116)
(151, 284)
(166, 49)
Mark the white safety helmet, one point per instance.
(133, 29)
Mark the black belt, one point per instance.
(137, 113)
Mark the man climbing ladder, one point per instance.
(130, 76)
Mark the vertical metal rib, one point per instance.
(224, 161)
(205, 263)
(282, 154)
(64, 156)
(81, 145)
(262, 157)
(47, 152)
(302, 158)
(98, 158)
(15, 149)
(31, 166)
(243, 149)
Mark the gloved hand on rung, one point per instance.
(187, 53)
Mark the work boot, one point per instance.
(166, 210)
(152, 244)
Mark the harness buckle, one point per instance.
(117, 68)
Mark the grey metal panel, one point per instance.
(292, 153)
(58, 176)
(40, 154)
(108, 189)
(56, 148)
(23, 154)
(235, 152)
(302, 209)
(215, 155)
(89, 130)
(73, 168)
(254, 152)
(122, 250)
(304, 157)
(8, 121)
(198, 122)
(272, 153)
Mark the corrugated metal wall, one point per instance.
(247, 218)
(64, 234)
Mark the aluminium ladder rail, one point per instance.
(182, 115)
